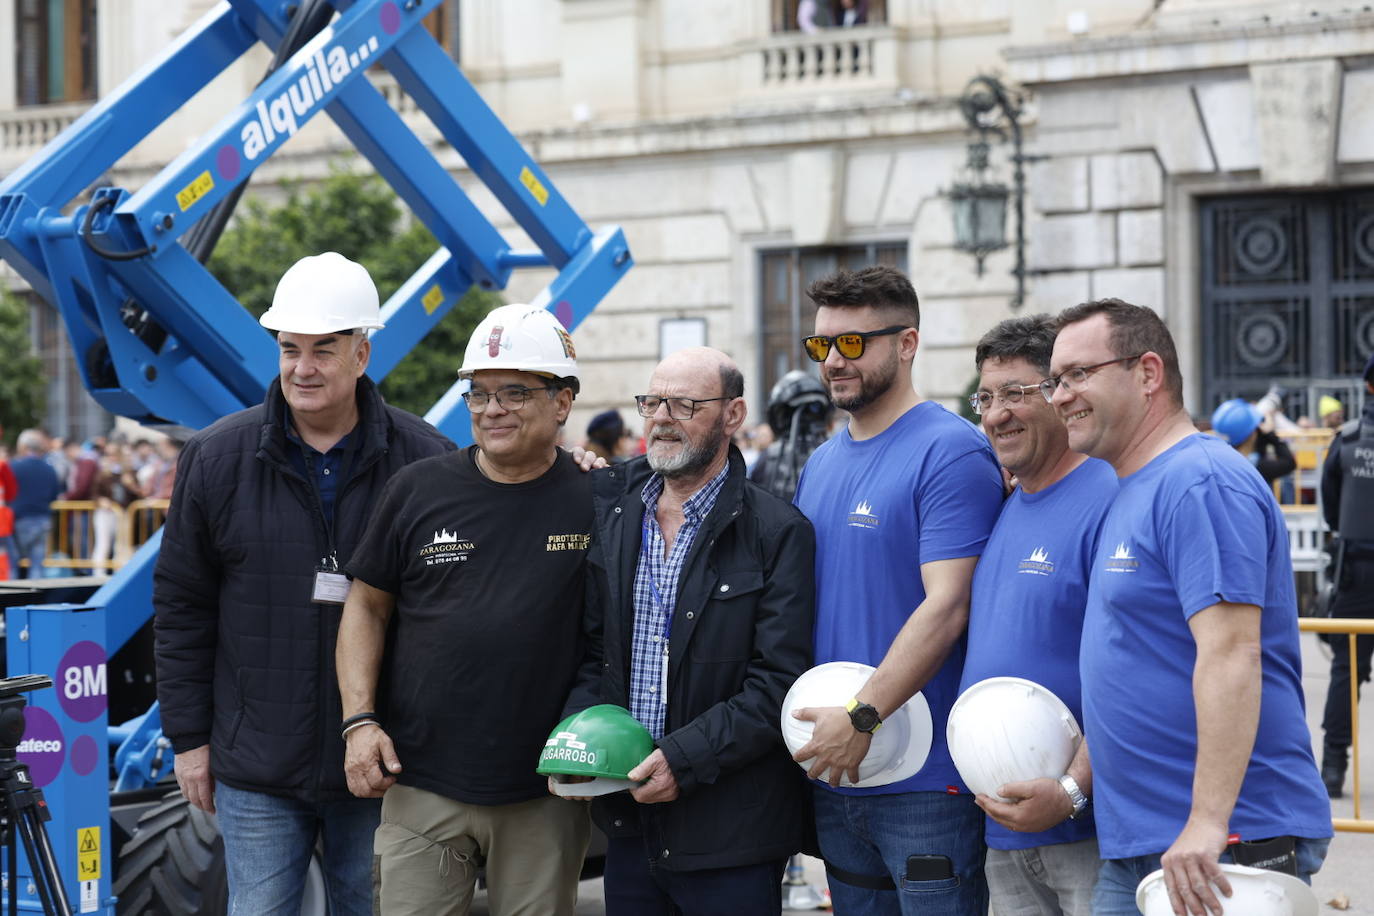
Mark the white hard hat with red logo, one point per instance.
(323, 294)
(522, 337)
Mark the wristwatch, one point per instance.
(864, 717)
(1080, 801)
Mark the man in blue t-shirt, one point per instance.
(1192, 681)
(1026, 614)
(902, 501)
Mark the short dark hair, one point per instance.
(1030, 337)
(731, 381)
(881, 287)
(1135, 330)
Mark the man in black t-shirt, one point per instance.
(479, 559)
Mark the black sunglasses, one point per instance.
(851, 344)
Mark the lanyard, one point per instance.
(331, 560)
(659, 603)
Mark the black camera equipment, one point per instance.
(23, 809)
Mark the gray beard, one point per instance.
(690, 459)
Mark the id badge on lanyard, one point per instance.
(331, 586)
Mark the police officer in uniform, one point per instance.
(799, 412)
(1347, 497)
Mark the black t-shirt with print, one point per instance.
(485, 638)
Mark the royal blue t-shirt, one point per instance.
(927, 488)
(1029, 592)
(1194, 527)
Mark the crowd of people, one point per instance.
(366, 637)
(106, 474)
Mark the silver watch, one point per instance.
(1070, 787)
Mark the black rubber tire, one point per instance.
(173, 865)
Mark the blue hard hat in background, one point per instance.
(1235, 420)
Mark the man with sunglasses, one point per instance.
(902, 500)
(465, 605)
(1029, 592)
(700, 604)
(1190, 663)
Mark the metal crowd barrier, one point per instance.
(1353, 626)
(71, 543)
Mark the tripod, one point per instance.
(23, 810)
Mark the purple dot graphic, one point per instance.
(564, 313)
(391, 18)
(80, 683)
(42, 748)
(227, 161)
(84, 755)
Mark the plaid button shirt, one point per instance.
(656, 597)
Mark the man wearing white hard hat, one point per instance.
(1025, 616)
(460, 640)
(902, 500)
(1190, 661)
(268, 504)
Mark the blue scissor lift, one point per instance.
(161, 341)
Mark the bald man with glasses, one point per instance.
(699, 612)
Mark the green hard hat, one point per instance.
(604, 742)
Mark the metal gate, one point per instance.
(1287, 297)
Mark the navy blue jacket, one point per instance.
(245, 660)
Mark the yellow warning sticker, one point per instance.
(202, 185)
(531, 183)
(87, 853)
(432, 299)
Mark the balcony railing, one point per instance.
(790, 63)
(24, 131)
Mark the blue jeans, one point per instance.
(874, 834)
(31, 540)
(268, 841)
(636, 885)
(1117, 879)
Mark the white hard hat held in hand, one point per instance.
(322, 294)
(1009, 729)
(1254, 892)
(522, 337)
(899, 747)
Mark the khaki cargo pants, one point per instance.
(428, 850)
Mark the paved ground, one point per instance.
(1349, 870)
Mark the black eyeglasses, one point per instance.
(678, 408)
(511, 397)
(1074, 379)
(851, 344)
(1010, 395)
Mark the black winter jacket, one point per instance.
(742, 633)
(245, 660)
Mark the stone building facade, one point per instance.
(1203, 157)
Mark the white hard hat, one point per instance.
(1009, 729)
(523, 337)
(1254, 892)
(899, 747)
(322, 294)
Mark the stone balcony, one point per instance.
(24, 131)
(790, 64)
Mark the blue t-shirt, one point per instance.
(1029, 592)
(38, 486)
(1194, 527)
(927, 488)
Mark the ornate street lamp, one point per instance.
(979, 206)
